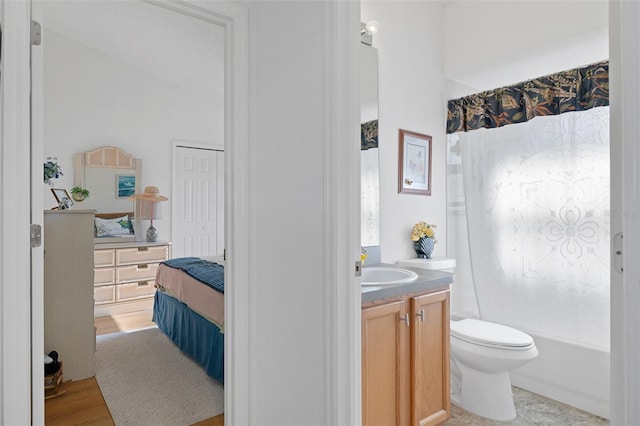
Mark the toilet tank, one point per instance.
(436, 263)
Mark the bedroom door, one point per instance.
(198, 200)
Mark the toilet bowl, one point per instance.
(482, 354)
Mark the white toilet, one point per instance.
(482, 354)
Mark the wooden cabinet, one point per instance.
(124, 276)
(405, 360)
(68, 295)
(430, 387)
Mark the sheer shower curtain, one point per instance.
(537, 205)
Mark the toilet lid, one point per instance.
(484, 332)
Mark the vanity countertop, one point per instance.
(426, 280)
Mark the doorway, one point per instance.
(233, 20)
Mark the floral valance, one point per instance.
(574, 90)
(369, 135)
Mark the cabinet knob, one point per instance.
(421, 315)
(405, 319)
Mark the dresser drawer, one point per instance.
(104, 257)
(136, 290)
(103, 276)
(104, 294)
(144, 271)
(127, 256)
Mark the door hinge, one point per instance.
(358, 270)
(36, 33)
(36, 235)
(618, 264)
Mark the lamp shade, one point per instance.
(151, 193)
(148, 210)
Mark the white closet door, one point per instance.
(198, 197)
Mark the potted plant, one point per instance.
(79, 194)
(52, 170)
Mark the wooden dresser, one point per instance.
(68, 298)
(124, 275)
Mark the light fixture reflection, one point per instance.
(371, 27)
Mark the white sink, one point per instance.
(386, 275)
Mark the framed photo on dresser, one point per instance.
(59, 194)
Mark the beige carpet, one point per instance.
(147, 380)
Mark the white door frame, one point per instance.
(343, 345)
(16, 366)
(37, 216)
(233, 17)
(15, 208)
(624, 49)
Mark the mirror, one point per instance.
(110, 175)
(369, 177)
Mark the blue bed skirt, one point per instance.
(192, 333)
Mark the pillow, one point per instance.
(113, 227)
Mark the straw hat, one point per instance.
(151, 193)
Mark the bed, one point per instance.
(189, 308)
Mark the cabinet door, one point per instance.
(430, 361)
(385, 365)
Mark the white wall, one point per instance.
(92, 100)
(412, 97)
(287, 362)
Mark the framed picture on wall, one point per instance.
(125, 186)
(414, 165)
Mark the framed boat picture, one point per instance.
(125, 186)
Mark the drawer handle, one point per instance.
(143, 283)
(405, 319)
(143, 248)
(143, 266)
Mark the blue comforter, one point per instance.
(209, 273)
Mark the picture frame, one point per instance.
(59, 194)
(125, 185)
(414, 163)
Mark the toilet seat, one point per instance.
(490, 334)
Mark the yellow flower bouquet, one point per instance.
(424, 237)
(423, 230)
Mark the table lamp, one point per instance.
(148, 208)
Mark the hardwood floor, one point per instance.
(83, 403)
(214, 421)
(124, 322)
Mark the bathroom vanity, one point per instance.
(405, 351)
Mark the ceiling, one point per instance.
(182, 50)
